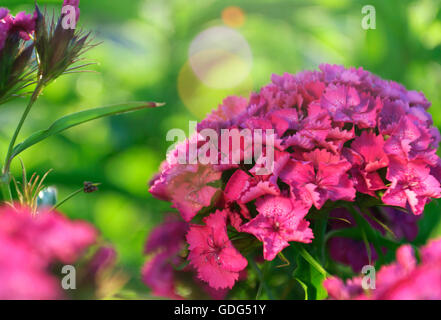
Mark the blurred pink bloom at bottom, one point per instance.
(401, 280)
(159, 275)
(31, 244)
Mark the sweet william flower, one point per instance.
(412, 184)
(5, 25)
(371, 148)
(190, 187)
(280, 220)
(243, 187)
(412, 141)
(190, 190)
(345, 104)
(320, 177)
(161, 274)
(338, 110)
(212, 253)
(23, 24)
(367, 156)
(228, 109)
(340, 134)
(15, 53)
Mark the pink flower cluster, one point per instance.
(340, 135)
(22, 25)
(401, 280)
(30, 245)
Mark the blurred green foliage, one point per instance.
(144, 50)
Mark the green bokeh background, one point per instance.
(145, 47)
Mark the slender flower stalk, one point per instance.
(88, 187)
(34, 97)
(5, 177)
(5, 189)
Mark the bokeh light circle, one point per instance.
(233, 16)
(201, 99)
(220, 57)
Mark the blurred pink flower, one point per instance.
(401, 280)
(30, 244)
(159, 275)
(22, 24)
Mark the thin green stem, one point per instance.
(307, 256)
(34, 97)
(73, 194)
(5, 177)
(4, 187)
(368, 232)
(6, 191)
(261, 276)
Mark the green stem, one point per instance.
(34, 98)
(369, 234)
(6, 190)
(73, 194)
(261, 276)
(307, 256)
(4, 186)
(5, 178)
(320, 232)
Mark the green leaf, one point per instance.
(304, 287)
(314, 263)
(430, 223)
(78, 118)
(310, 279)
(263, 285)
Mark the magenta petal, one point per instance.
(279, 221)
(212, 254)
